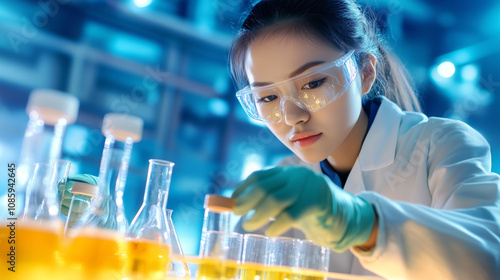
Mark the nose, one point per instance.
(294, 114)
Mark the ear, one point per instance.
(368, 72)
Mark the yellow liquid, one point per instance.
(212, 269)
(279, 274)
(97, 254)
(147, 259)
(308, 274)
(37, 251)
(252, 272)
(304, 277)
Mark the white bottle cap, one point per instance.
(85, 189)
(121, 126)
(52, 105)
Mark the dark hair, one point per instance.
(337, 22)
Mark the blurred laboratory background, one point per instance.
(166, 62)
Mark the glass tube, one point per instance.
(97, 247)
(50, 112)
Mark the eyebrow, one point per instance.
(298, 71)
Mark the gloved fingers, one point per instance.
(84, 178)
(255, 193)
(282, 224)
(80, 205)
(271, 206)
(254, 177)
(65, 189)
(64, 210)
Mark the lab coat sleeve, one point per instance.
(458, 236)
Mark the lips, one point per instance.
(305, 138)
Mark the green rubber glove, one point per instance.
(65, 194)
(299, 197)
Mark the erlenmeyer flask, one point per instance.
(148, 238)
(177, 268)
(39, 234)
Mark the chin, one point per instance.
(310, 158)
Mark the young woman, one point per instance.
(411, 197)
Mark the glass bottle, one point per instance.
(97, 247)
(39, 232)
(50, 112)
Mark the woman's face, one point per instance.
(313, 136)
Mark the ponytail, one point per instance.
(393, 81)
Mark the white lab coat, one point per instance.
(438, 203)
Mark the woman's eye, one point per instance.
(267, 98)
(314, 84)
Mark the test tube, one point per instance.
(255, 259)
(311, 256)
(220, 255)
(282, 258)
(220, 248)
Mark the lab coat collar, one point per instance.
(379, 147)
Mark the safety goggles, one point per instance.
(310, 91)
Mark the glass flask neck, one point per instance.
(157, 184)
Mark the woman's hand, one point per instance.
(65, 194)
(299, 197)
